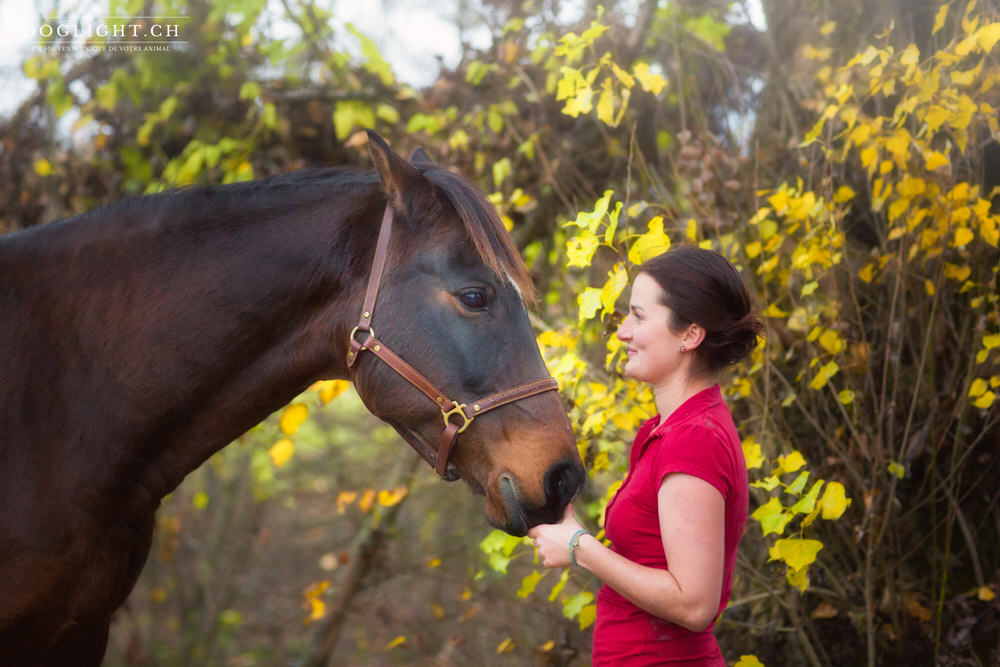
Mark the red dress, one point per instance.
(699, 439)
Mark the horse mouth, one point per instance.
(517, 523)
(423, 449)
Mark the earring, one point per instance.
(683, 348)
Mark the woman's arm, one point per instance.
(692, 526)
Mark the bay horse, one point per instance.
(138, 339)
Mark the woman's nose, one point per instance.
(624, 332)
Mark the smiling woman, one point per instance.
(676, 521)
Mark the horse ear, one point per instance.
(398, 176)
(420, 155)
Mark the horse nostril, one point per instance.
(562, 482)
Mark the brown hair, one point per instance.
(702, 287)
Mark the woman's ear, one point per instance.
(693, 337)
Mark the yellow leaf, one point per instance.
(826, 29)
(963, 236)
(547, 646)
(367, 500)
(401, 639)
(317, 610)
(580, 249)
(281, 452)
(798, 553)
(824, 374)
(790, 462)
(978, 388)
(200, 500)
(580, 103)
(292, 418)
(897, 469)
(390, 497)
(910, 55)
(590, 302)
(433, 563)
(773, 311)
(650, 82)
(617, 280)
(984, 401)
(942, 14)
(867, 272)
(587, 616)
(934, 160)
(606, 104)
(654, 242)
(330, 389)
(985, 593)
(987, 36)
(749, 660)
(344, 499)
(43, 167)
(929, 287)
(831, 341)
(936, 117)
(506, 646)
(991, 341)
(752, 453)
(691, 230)
(844, 193)
(846, 396)
(835, 501)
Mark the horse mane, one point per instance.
(491, 239)
(483, 225)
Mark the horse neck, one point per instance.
(184, 333)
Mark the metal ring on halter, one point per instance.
(457, 410)
(355, 330)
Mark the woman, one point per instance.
(677, 519)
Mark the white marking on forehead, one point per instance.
(514, 285)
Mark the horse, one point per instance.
(141, 337)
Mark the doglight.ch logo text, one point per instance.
(109, 33)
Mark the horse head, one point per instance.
(452, 305)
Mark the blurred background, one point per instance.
(841, 152)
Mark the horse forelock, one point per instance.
(490, 238)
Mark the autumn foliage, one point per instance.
(861, 209)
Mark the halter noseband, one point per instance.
(466, 412)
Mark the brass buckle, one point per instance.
(457, 410)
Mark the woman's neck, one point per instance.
(677, 389)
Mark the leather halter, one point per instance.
(464, 412)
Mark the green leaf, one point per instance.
(807, 503)
(575, 604)
(772, 517)
(795, 488)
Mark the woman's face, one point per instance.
(653, 349)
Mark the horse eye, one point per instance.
(473, 299)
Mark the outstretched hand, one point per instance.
(552, 539)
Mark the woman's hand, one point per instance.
(552, 540)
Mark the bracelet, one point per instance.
(574, 544)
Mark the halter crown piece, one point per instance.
(463, 413)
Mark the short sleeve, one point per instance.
(694, 450)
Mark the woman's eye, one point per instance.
(473, 299)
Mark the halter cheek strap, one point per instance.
(457, 416)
